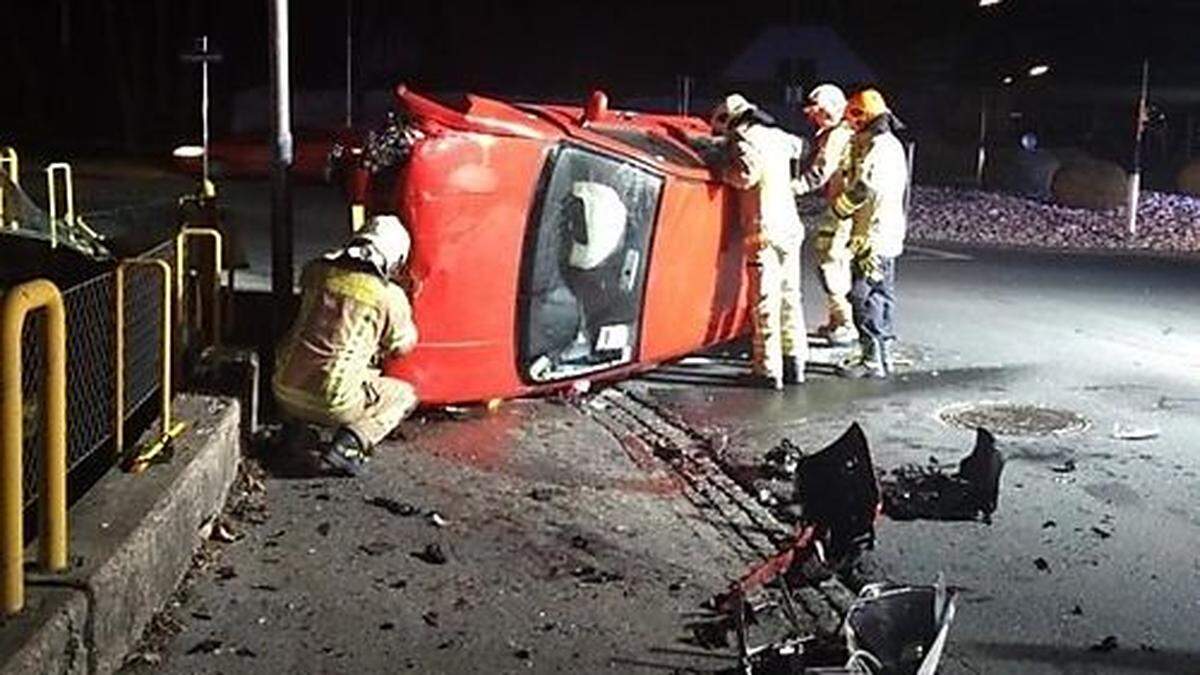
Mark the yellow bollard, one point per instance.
(181, 241)
(169, 430)
(52, 197)
(10, 165)
(18, 303)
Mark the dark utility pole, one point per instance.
(281, 188)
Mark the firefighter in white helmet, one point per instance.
(824, 107)
(758, 163)
(352, 313)
(873, 197)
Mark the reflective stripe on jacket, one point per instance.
(347, 319)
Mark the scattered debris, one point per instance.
(590, 575)
(523, 654)
(146, 657)
(377, 547)
(264, 587)
(392, 506)
(245, 652)
(1066, 467)
(398, 584)
(915, 491)
(783, 459)
(838, 489)
(206, 647)
(1100, 532)
(436, 519)
(430, 619)
(223, 533)
(387, 625)
(226, 572)
(1145, 647)
(1077, 610)
(202, 616)
(579, 542)
(1108, 644)
(541, 494)
(323, 529)
(431, 554)
(1049, 524)
(1131, 433)
(1041, 564)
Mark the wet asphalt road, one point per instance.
(1117, 342)
(607, 566)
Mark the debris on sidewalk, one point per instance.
(436, 519)
(1132, 433)
(1108, 644)
(392, 506)
(1066, 467)
(431, 554)
(928, 492)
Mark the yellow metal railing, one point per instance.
(144, 456)
(11, 165)
(18, 303)
(68, 216)
(181, 242)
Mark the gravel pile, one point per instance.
(1167, 223)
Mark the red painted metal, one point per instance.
(466, 194)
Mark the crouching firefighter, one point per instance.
(873, 198)
(758, 164)
(352, 314)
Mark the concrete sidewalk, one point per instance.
(131, 541)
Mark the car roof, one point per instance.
(665, 142)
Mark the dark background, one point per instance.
(105, 75)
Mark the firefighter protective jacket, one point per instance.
(347, 319)
(825, 171)
(876, 178)
(760, 167)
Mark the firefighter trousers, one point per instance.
(779, 330)
(383, 402)
(833, 262)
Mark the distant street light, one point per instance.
(1008, 79)
(1039, 70)
(989, 3)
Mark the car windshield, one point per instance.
(585, 263)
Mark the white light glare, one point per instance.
(989, 3)
(188, 152)
(1008, 79)
(1040, 69)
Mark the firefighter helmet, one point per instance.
(728, 111)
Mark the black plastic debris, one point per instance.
(431, 554)
(1041, 564)
(206, 647)
(838, 489)
(1108, 644)
(1066, 467)
(928, 492)
(392, 506)
(1100, 532)
(783, 459)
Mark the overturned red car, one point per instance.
(553, 243)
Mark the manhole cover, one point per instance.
(1013, 419)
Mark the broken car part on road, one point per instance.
(914, 491)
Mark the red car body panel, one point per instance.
(469, 194)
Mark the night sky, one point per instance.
(106, 73)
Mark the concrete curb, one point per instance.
(132, 539)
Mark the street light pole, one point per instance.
(281, 194)
(1135, 180)
(981, 155)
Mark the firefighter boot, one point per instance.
(867, 364)
(344, 455)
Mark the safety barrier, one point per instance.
(18, 303)
(10, 164)
(181, 244)
(142, 458)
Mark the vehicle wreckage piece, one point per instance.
(840, 495)
(915, 491)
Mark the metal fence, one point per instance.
(91, 364)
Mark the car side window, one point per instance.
(585, 265)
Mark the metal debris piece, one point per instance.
(431, 554)
(928, 492)
(222, 533)
(392, 506)
(1132, 433)
(899, 629)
